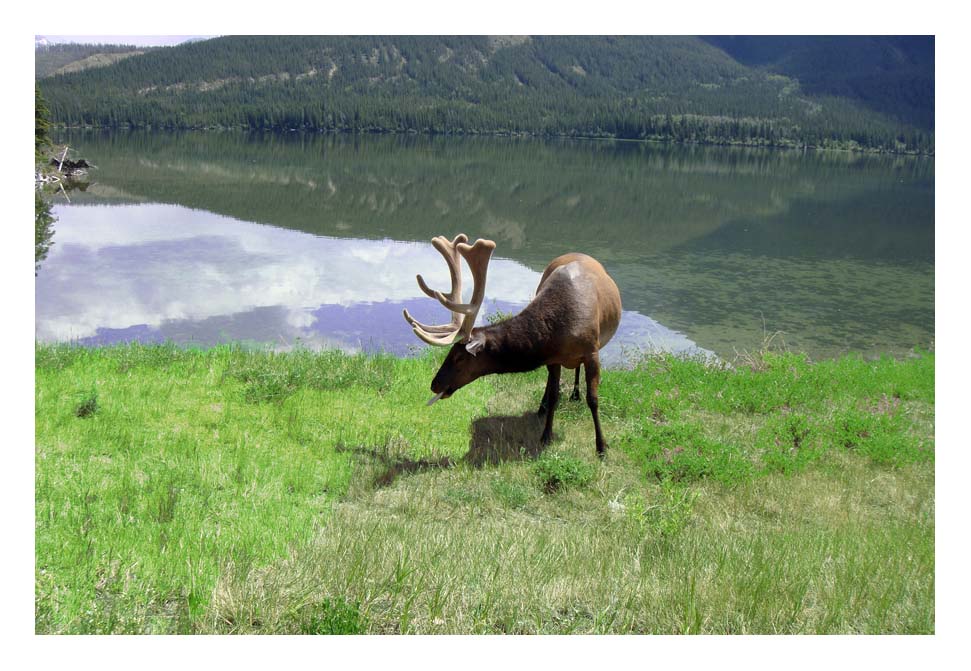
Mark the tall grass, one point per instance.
(236, 491)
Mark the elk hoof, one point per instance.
(575, 396)
(546, 439)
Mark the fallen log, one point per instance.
(67, 166)
(70, 168)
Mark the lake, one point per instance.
(298, 240)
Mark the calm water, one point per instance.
(315, 240)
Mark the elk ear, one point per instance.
(475, 345)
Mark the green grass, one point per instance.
(233, 491)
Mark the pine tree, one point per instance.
(42, 124)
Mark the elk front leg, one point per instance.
(550, 399)
(592, 368)
(544, 405)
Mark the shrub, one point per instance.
(787, 442)
(882, 436)
(780, 381)
(681, 452)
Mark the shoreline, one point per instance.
(726, 144)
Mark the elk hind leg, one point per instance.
(592, 368)
(575, 396)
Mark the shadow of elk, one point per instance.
(494, 440)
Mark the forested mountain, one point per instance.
(891, 75)
(673, 88)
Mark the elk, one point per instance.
(575, 312)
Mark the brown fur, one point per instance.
(575, 312)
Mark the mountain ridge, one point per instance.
(664, 88)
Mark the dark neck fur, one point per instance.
(514, 345)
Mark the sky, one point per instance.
(137, 40)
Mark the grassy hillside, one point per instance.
(226, 491)
(674, 88)
(64, 58)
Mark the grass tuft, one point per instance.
(512, 494)
(664, 519)
(556, 472)
(88, 404)
(330, 617)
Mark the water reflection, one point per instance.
(724, 245)
(157, 273)
(43, 229)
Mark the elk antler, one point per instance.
(463, 314)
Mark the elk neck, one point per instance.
(515, 345)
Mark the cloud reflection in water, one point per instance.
(158, 272)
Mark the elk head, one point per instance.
(461, 366)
